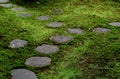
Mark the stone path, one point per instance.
(55, 24)
(23, 74)
(17, 43)
(38, 61)
(116, 24)
(18, 9)
(45, 48)
(43, 18)
(101, 30)
(61, 39)
(4, 1)
(75, 31)
(24, 15)
(8, 5)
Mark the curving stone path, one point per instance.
(100, 30)
(47, 49)
(55, 24)
(57, 11)
(38, 61)
(116, 24)
(75, 31)
(18, 9)
(23, 74)
(61, 39)
(43, 18)
(17, 43)
(9, 5)
(24, 15)
(4, 1)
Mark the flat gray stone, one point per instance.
(18, 9)
(57, 11)
(17, 43)
(75, 31)
(6, 5)
(23, 74)
(43, 18)
(38, 61)
(47, 49)
(3, 1)
(24, 15)
(117, 24)
(101, 30)
(54, 24)
(61, 39)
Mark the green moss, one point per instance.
(89, 56)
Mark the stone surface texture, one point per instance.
(6, 5)
(18, 9)
(23, 74)
(54, 24)
(117, 24)
(24, 15)
(101, 30)
(43, 18)
(47, 49)
(38, 61)
(75, 31)
(17, 43)
(3, 1)
(61, 39)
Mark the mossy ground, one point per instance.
(89, 56)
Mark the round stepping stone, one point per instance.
(18, 9)
(117, 24)
(4, 1)
(61, 39)
(24, 15)
(57, 11)
(75, 31)
(6, 5)
(17, 43)
(43, 18)
(23, 74)
(47, 49)
(55, 24)
(38, 61)
(101, 30)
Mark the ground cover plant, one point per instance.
(89, 56)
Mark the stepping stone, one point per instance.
(18, 9)
(57, 11)
(61, 39)
(116, 24)
(101, 30)
(47, 49)
(38, 61)
(6, 5)
(17, 43)
(24, 15)
(23, 74)
(3, 1)
(54, 24)
(75, 31)
(43, 18)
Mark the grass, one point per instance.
(89, 56)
